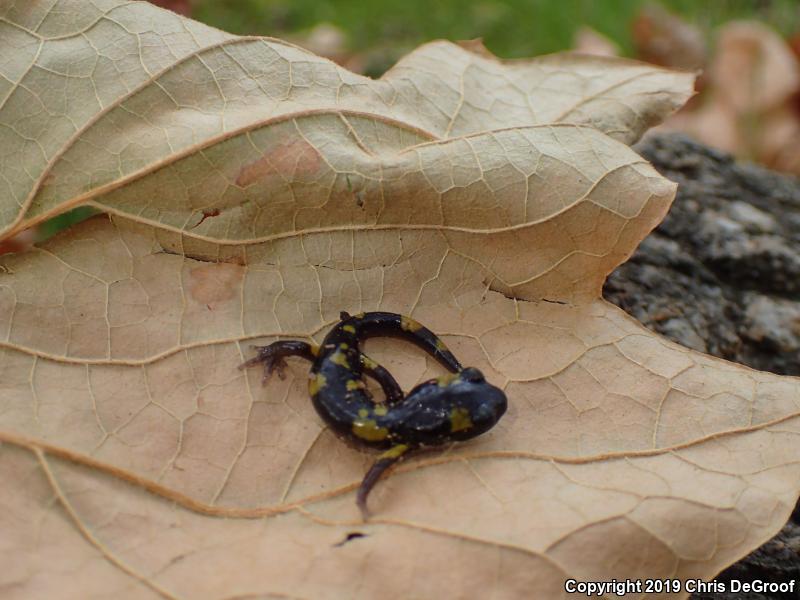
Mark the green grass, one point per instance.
(52, 226)
(511, 28)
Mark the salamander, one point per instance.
(457, 406)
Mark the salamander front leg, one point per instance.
(273, 356)
(385, 460)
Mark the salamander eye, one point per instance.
(472, 375)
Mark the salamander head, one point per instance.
(458, 406)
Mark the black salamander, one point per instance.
(457, 406)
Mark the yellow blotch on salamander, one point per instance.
(440, 346)
(460, 420)
(368, 363)
(394, 452)
(340, 358)
(349, 329)
(367, 429)
(448, 379)
(380, 410)
(314, 349)
(409, 324)
(354, 384)
(315, 384)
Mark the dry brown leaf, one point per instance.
(443, 191)
(325, 39)
(753, 68)
(665, 39)
(749, 106)
(123, 91)
(589, 41)
(757, 75)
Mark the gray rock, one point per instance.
(774, 322)
(753, 220)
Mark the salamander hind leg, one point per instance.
(273, 356)
(391, 388)
(385, 460)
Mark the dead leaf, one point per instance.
(780, 138)
(749, 106)
(756, 73)
(327, 40)
(253, 192)
(753, 68)
(589, 41)
(93, 129)
(665, 39)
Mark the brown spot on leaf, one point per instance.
(215, 284)
(288, 160)
(209, 212)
